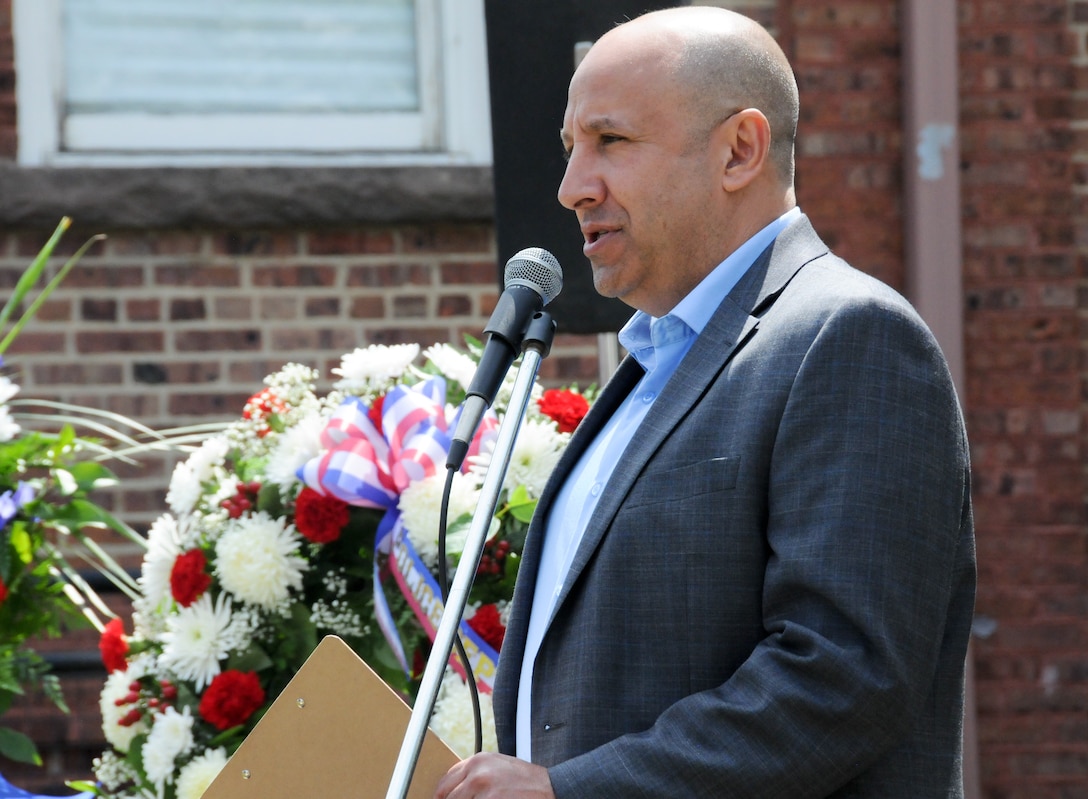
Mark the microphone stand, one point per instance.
(536, 345)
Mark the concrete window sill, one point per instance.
(247, 197)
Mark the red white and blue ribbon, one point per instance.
(366, 466)
(423, 593)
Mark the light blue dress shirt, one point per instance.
(658, 344)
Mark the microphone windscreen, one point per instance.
(537, 269)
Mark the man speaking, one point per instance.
(752, 574)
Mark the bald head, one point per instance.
(722, 62)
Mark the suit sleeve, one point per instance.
(866, 500)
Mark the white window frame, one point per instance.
(453, 51)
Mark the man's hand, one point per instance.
(491, 776)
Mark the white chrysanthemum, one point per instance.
(420, 505)
(195, 640)
(8, 428)
(187, 481)
(195, 777)
(171, 735)
(452, 720)
(296, 446)
(374, 368)
(452, 363)
(163, 548)
(8, 389)
(537, 449)
(115, 688)
(257, 560)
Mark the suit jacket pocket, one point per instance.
(669, 486)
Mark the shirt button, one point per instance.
(595, 489)
(648, 397)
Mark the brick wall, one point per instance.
(181, 325)
(175, 327)
(1023, 105)
(846, 57)
(1022, 82)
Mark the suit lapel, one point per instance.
(618, 387)
(624, 379)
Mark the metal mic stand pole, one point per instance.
(536, 345)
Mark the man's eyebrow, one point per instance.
(595, 125)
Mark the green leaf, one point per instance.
(36, 267)
(510, 569)
(92, 476)
(51, 687)
(521, 506)
(33, 272)
(21, 543)
(16, 746)
(303, 633)
(80, 513)
(6, 569)
(253, 659)
(269, 500)
(135, 756)
(83, 787)
(6, 697)
(225, 736)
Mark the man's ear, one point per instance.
(745, 148)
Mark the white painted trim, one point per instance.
(150, 133)
(36, 34)
(466, 102)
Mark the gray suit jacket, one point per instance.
(774, 596)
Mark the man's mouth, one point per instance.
(593, 235)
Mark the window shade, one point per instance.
(240, 56)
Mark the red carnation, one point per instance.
(188, 578)
(231, 699)
(114, 646)
(485, 621)
(374, 412)
(566, 408)
(319, 517)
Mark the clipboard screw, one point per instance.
(246, 774)
(300, 702)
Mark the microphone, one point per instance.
(531, 280)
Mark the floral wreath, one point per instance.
(315, 515)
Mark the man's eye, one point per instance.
(610, 138)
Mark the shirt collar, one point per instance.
(644, 332)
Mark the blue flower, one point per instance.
(12, 501)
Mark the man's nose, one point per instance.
(581, 185)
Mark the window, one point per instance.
(192, 80)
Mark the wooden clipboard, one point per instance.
(335, 733)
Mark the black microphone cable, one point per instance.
(444, 590)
